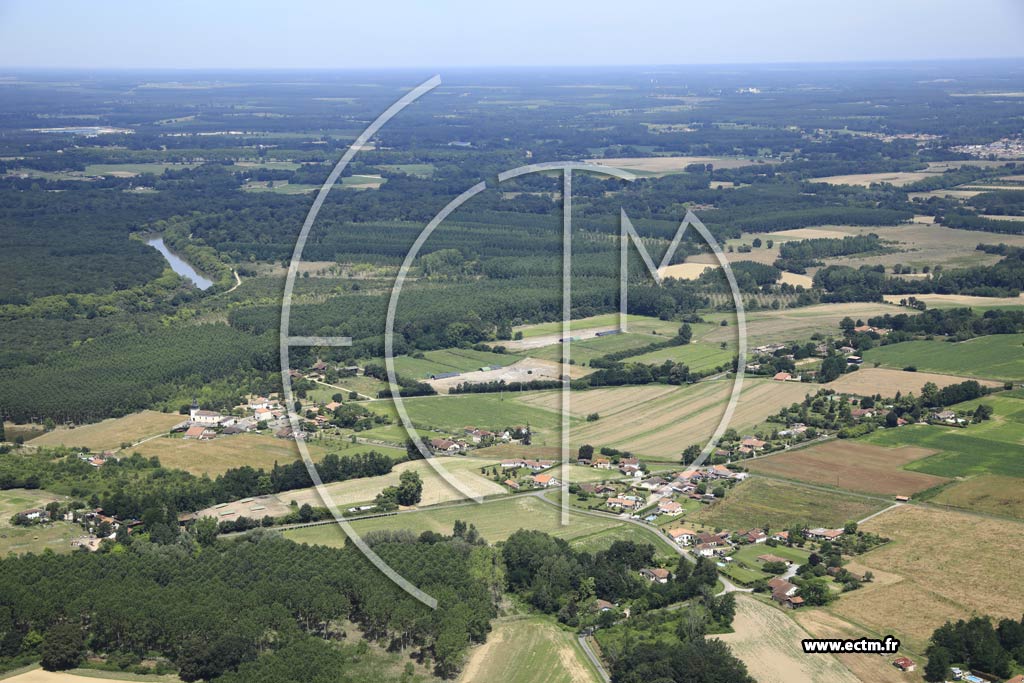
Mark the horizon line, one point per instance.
(503, 67)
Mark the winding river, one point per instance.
(178, 265)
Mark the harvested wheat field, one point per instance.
(528, 650)
(852, 465)
(768, 642)
(897, 178)
(687, 271)
(960, 300)
(866, 668)
(224, 453)
(660, 421)
(945, 574)
(797, 323)
(84, 676)
(871, 381)
(110, 434)
(796, 279)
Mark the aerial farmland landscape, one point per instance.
(546, 343)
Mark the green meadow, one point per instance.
(998, 356)
(992, 447)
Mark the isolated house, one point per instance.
(657, 574)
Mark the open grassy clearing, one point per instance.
(419, 170)
(992, 447)
(778, 504)
(436, 489)
(496, 521)
(279, 187)
(676, 164)
(585, 350)
(55, 536)
(987, 493)
(85, 675)
(696, 355)
(486, 411)
(997, 356)
(636, 323)
(768, 642)
(921, 244)
(885, 381)
(448, 360)
(528, 650)
(945, 575)
(602, 540)
(853, 465)
(110, 434)
(796, 324)
(225, 452)
(16, 500)
(131, 170)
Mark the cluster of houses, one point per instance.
(628, 466)
(659, 493)
(473, 437)
(204, 425)
(537, 479)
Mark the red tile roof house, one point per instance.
(669, 507)
(904, 664)
(656, 574)
(604, 605)
(199, 432)
(545, 480)
(623, 503)
(682, 536)
(781, 536)
(512, 484)
(782, 377)
(445, 445)
(756, 536)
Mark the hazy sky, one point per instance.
(462, 33)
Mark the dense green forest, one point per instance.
(249, 605)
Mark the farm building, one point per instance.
(444, 375)
(904, 664)
(199, 432)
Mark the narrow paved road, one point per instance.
(594, 659)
